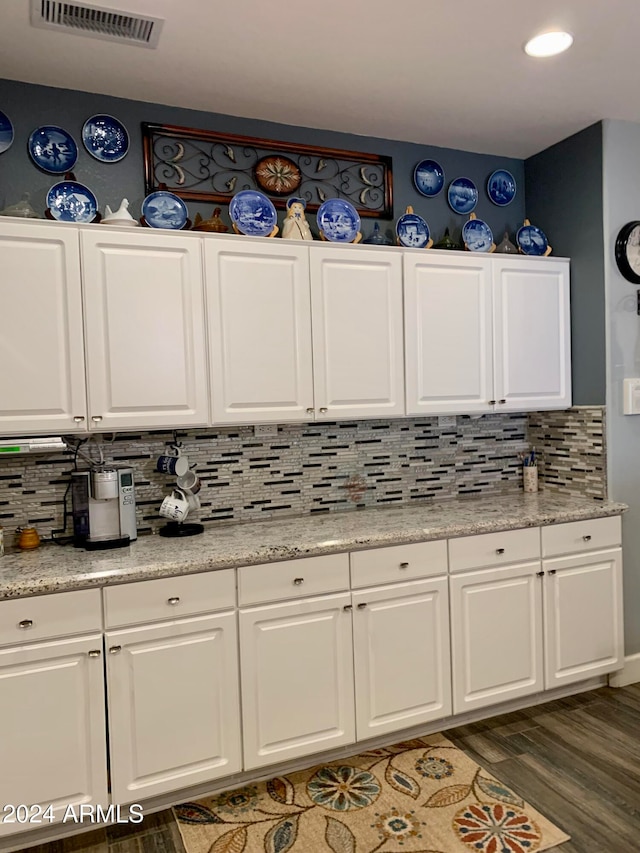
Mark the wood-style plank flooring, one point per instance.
(577, 760)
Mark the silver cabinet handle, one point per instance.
(404, 565)
(499, 550)
(26, 623)
(174, 600)
(362, 605)
(79, 418)
(539, 574)
(587, 538)
(552, 571)
(502, 401)
(492, 402)
(114, 650)
(323, 410)
(94, 653)
(96, 418)
(348, 607)
(310, 410)
(298, 581)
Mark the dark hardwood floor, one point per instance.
(577, 760)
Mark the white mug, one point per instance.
(175, 506)
(189, 482)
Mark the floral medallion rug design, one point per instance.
(421, 796)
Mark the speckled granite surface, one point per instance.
(53, 568)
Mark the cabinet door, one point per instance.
(174, 708)
(42, 385)
(356, 299)
(259, 324)
(52, 726)
(496, 634)
(448, 332)
(583, 616)
(532, 334)
(401, 654)
(144, 311)
(297, 678)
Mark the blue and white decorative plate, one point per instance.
(412, 231)
(428, 177)
(70, 201)
(6, 132)
(53, 149)
(531, 240)
(164, 210)
(253, 213)
(501, 187)
(105, 138)
(462, 195)
(338, 220)
(477, 235)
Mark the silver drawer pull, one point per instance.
(26, 623)
(323, 410)
(362, 605)
(298, 581)
(552, 571)
(114, 650)
(404, 565)
(94, 653)
(587, 538)
(173, 601)
(348, 607)
(499, 550)
(539, 574)
(96, 418)
(310, 410)
(78, 419)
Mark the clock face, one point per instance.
(627, 251)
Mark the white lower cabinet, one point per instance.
(174, 711)
(583, 616)
(297, 678)
(52, 728)
(496, 631)
(401, 655)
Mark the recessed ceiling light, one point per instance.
(548, 44)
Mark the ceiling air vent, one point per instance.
(96, 22)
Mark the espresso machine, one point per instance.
(104, 508)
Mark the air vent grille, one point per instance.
(96, 22)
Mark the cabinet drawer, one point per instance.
(24, 620)
(169, 598)
(494, 549)
(589, 535)
(398, 563)
(293, 579)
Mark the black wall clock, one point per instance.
(628, 251)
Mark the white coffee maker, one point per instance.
(104, 508)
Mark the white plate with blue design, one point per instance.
(501, 187)
(163, 209)
(253, 213)
(105, 138)
(462, 195)
(53, 149)
(412, 231)
(338, 220)
(70, 201)
(531, 240)
(6, 132)
(477, 236)
(428, 178)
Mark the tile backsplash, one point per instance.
(311, 468)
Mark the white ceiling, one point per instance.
(428, 71)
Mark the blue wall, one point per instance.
(30, 106)
(564, 197)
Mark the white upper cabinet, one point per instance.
(448, 329)
(144, 314)
(356, 302)
(42, 388)
(532, 334)
(486, 333)
(259, 325)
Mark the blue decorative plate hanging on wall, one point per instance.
(6, 132)
(53, 149)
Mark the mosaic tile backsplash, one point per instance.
(311, 468)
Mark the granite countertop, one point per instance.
(54, 568)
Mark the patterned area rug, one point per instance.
(420, 796)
